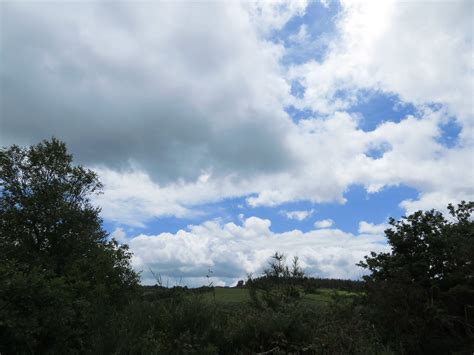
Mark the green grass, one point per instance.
(238, 295)
(228, 295)
(328, 295)
(241, 295)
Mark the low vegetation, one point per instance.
(66, 288)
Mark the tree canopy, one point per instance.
(422, 292)
(58, 267)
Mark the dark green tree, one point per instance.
(60, 275)
(277, 268)
(421, 294)
(279, 285)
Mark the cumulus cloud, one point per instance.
(371, 228)
(417, 50)
(298, 215)
(268, 16)
(146, 85)
(232, 251)
(324, 223)
(412, 156)
(173, 113)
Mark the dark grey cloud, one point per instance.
(172, 89)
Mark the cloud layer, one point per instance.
(421, 52)
(181, 104)
(232, 251)
(153, 86)
(411, 155)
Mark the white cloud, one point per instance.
(173, 116)
(413, 157)
(181, 104)
(324, 223)
(273, 15)
(370, 228)
(232, 251)
(420, 51)
(298, 215)
(333, 156)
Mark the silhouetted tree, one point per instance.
(277, 267)
(60, 275)
(279, 285)
(421, 294)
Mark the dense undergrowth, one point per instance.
(186, 321)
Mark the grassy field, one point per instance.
(229, 295)
(237, 295)
(328, 295)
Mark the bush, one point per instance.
(421, 294)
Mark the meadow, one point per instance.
(269, 314)
(240, 295)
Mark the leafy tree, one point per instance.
(60, 275)
(421, 294)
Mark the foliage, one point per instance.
(278, 269)
(313, 284)
(421, 294)
(281, 284)
(60, 275)
(279, 288)
(178, 320)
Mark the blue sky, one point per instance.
(360, 206)
(248, 127)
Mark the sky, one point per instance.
(224, 131)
